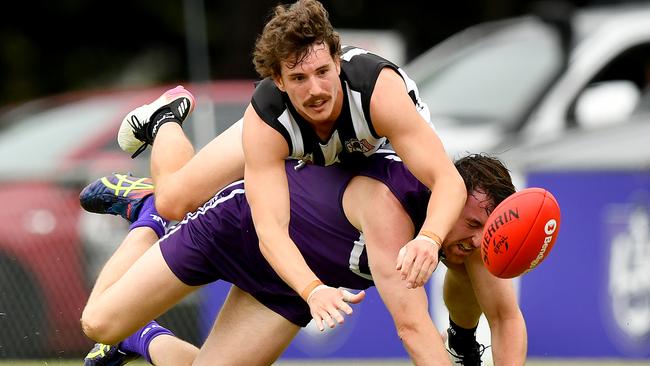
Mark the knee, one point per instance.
(96, 327)
(90, 329)
(170, 207)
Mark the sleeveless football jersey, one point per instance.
(354, 137)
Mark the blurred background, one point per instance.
(55, 46)
(558, 90)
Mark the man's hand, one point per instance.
(417, 260)
(326, 304)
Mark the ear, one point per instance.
(337, 64)
(277, 79)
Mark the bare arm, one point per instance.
(394, 116)
(385, 234)
(267, 192)
(268, 195)
(499, 303)
(184, 181)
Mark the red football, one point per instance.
(520, 232)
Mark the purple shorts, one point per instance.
(218, 242)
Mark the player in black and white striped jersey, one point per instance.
(320, 103)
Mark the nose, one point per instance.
(314, 86)
(477, 238)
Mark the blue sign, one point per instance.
(591, 296)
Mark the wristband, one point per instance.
(319, 287)
(429, 237)
(309, 288)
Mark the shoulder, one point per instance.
(386, 166)
(458, 271)
(255, 129)
(370, 205)
(361, 68)
(357, 57)
(268, 100)
(392, 181)
(476, 272)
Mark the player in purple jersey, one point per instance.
(344, 222)
(318, 103)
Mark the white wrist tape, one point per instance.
(428, 239)
(319, 287)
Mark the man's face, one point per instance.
(313, 85)
(466, 235)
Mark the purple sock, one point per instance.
(139, 341)
(149, 217)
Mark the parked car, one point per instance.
(51, 250)
(498, 83)
(623, 146)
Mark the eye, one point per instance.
(474, 224)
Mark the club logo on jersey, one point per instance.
(307, 159)
(362, 146)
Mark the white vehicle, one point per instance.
(542, 93)
(504, 83)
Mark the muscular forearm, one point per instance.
(509, 342)
(270, 209)
(288, 263)
(408, 307)
(424, 345)
(447, 200)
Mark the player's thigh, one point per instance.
(145, 291)
(216, 165)
(246, 333)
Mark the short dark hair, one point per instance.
(487, 174)
(290, 33)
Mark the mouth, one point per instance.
(316, 103)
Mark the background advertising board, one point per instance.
(591, 297)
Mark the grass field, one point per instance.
(533, 362)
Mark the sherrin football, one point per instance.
(520, 232)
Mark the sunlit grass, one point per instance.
(537, 362)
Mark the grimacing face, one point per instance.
(313, 85)
(466, 235)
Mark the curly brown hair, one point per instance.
(290, 33)
(487, 174)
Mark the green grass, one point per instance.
(537, 362)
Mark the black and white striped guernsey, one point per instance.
(354, 137)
